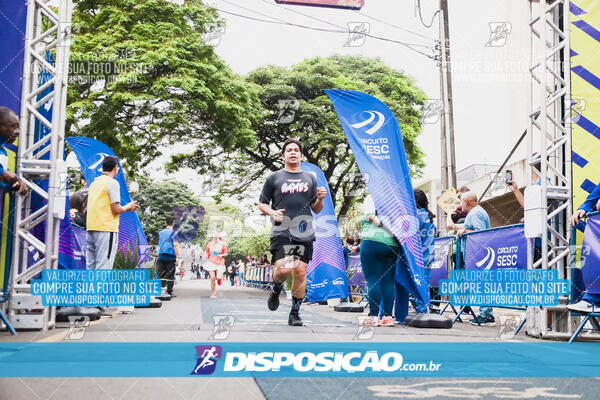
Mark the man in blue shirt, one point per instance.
(477, 220)
(168, 253)
(592, 203)
(9, 132)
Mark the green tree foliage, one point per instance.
(298, 92)
(223, 218)
(239, 247)
(158, 200)
(142, 78)
(195, 220)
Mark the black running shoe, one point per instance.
(273, 301)
(294, 319)
(483, 321)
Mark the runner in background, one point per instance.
(232, 273)
(216, 250)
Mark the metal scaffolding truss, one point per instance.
(40, 158)
(549, 146)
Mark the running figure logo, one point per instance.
(207, 359)
(77, 325)
(499, 32)
(363, 332)
(508, 327)
(357, 34)
(222, 327)
(431, 111)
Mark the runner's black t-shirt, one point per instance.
(294, 192)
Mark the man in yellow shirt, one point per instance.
(103, 210)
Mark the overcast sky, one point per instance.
(490, 83)
(491, 101)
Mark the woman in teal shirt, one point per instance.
(378, 254)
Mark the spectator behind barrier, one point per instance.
(459, 214)
(591, 203)
(477, 220)
(456, 217)
(9, 132)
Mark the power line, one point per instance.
(344, 31)
(421, 16)
(393, 26)
(306, 15)
(332, 24)
(254, 11)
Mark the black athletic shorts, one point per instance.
(282, 246)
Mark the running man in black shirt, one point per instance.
(288, 197)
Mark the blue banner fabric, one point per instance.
(591, 251)
(326, 272)
(439, 266)
(70, 254)
(497, 249)
(91, 153)
(13, 18)
(376, 142)
(355, 274)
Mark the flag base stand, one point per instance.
(63, 313)
(154, 303)
(349, 307)
(434, 321)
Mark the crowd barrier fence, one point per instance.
(480, 250)
(259, 277)
(590, 269)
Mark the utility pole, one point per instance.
(444, 149)
(445, 44)
(444, 154)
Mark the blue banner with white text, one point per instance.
(497, 248)
(376, 142)
(326, 272)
